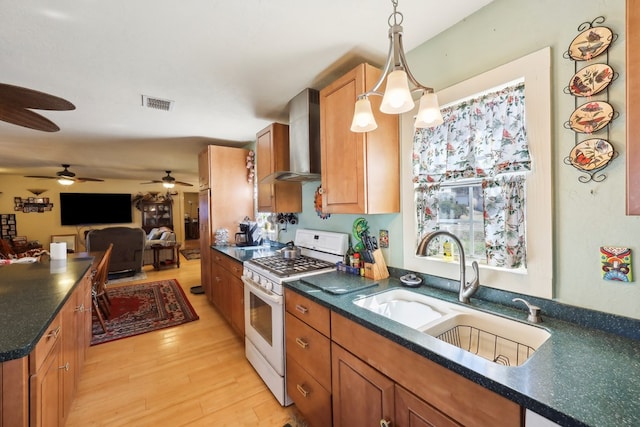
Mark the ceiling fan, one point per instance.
(66, 177)
(17, 102)
(168, 181)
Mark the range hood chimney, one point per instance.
(304, 140)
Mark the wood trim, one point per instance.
(633, 108)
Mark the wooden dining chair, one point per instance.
(100, 299)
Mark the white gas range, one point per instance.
(264, 301)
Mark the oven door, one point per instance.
(264, 323)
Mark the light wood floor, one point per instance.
(190, 375)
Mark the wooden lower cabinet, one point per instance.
(448, 396)
(37, 390)
(342, 374)
(47, 391)
(361, 395)
(308, 357)
(227, 290)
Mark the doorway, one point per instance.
(191, 217)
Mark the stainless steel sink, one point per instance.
(498, 339)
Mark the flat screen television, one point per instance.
(95, 208)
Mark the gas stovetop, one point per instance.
(282, 267)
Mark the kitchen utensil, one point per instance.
(290, 251)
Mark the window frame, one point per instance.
(537, 280)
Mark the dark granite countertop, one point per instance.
(30, 297)
(245, 253)
(579, 377)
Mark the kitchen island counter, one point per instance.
(580, 377)
(31, 295)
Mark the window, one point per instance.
(483, 139)
(463, 198)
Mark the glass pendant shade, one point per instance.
(363, 120)
(397, 97)
(65, 181)
(168, 184)
(429, 114)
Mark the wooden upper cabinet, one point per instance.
(272, 152)
(633, 109)
(203, 169)
(360, 171)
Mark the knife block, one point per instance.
(377, 270)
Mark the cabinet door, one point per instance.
(362, 396)
(272, 152)
(203, 169)
(69, 361)
(360, 171)
(633, 108)
(46, 391)
(414, 412)
(236, 304)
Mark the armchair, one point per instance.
(162, 236)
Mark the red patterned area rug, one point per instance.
(138, 309)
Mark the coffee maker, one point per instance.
(249, 234)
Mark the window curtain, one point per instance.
(483, 138)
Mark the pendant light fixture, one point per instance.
(397, 98)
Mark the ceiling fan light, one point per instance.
(65, 181)
(429, 114)
(168, 184)
(363, 120)
(397, 97)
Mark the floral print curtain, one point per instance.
(483, 137)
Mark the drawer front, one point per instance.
(311, 399)
(311, 313)
(234, 267)
(310, 349)
(44, 346)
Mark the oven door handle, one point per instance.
(263, 293)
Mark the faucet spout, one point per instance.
(467, 290)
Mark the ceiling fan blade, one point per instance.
(152, 182)
(41, 177)
(185, 184)
(27, 118)
(21, 97)
(89, 179)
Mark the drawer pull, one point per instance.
(66, 366)
(302, 309)
(302, 391)
(80, 308)
(302, 343)
(385, 423)
(54, 333)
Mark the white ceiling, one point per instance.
(231, 68)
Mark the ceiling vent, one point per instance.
(157, 103)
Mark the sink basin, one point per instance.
(498, 339)
(406, 307)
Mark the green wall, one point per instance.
(586, 216)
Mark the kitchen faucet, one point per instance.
(466, 290)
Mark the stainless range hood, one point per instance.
(304, 140)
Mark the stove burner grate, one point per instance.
(286, 267)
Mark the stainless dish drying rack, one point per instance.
(490, 346)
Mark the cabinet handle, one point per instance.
(385, 423)
(302, 343)
(80, 308)
(66, 366)
(302, 309)
(54, 333)
(302, 391)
